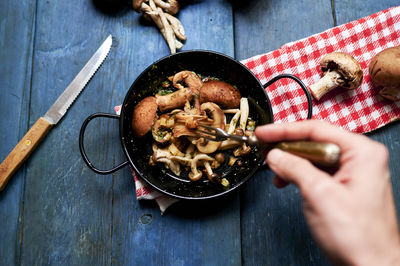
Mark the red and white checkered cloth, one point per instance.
(360, 110)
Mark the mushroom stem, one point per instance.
(169, 33)
(176, 26)
(324, 85)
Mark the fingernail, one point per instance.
(274, 156)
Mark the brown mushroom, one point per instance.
(221, 93)
(195, 174)
(174, 100)
(220, 157)
(241, 151)
(137, 5)
(218, 121)
(188, 78)
(143, 116)
(384, 70)
(341, 70)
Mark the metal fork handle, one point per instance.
(320, 153)
(323, 154)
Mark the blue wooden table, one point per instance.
(56, 211)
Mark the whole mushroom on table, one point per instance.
(161, 12)
(341, 70)
(384, 70)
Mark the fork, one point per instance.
(320, 153)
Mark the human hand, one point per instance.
(351, 213)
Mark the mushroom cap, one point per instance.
(346, 66)
(191, 80)
(137, 4)
(221, 93)
(384, 70)
(218, 121)
(143, 116)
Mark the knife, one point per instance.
(43, 125)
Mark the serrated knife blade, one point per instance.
(43, 125)
(61, 105)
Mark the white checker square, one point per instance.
(300, 68)
(332, 41)
(352, 125)
(297, 100)
(370, 23)
(357, 106)
(375, 114)
(259, 69)
(271, 62)
(374, 37)
(296, 54)
(316, 109)
(345, 111)
(286, 104)
(362, 42)
(382, 17)
(333, 117)
(308, 49)
(350, 48)
(363, 120)
(386, 32)
(291, 118)
(312, 64)
(394, 11)
(303, 114)
(345, 34)
(358, 28)
(367, 56)
(321, 44)
(275, 109)
(284, 57)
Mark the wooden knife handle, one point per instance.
(23, 149)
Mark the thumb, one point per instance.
(294, 169)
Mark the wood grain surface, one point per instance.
(56, 211)
(23, 150)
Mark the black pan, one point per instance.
(138, 150)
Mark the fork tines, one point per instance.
(211, 133)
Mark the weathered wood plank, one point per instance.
(73, 215)
(274, 231)
(347, 11)
(263, 26)
(68, 208)
(180, 237)
(17, 26)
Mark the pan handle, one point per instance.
(82, 148)
(293, 77)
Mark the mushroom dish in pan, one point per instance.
(183, 103)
